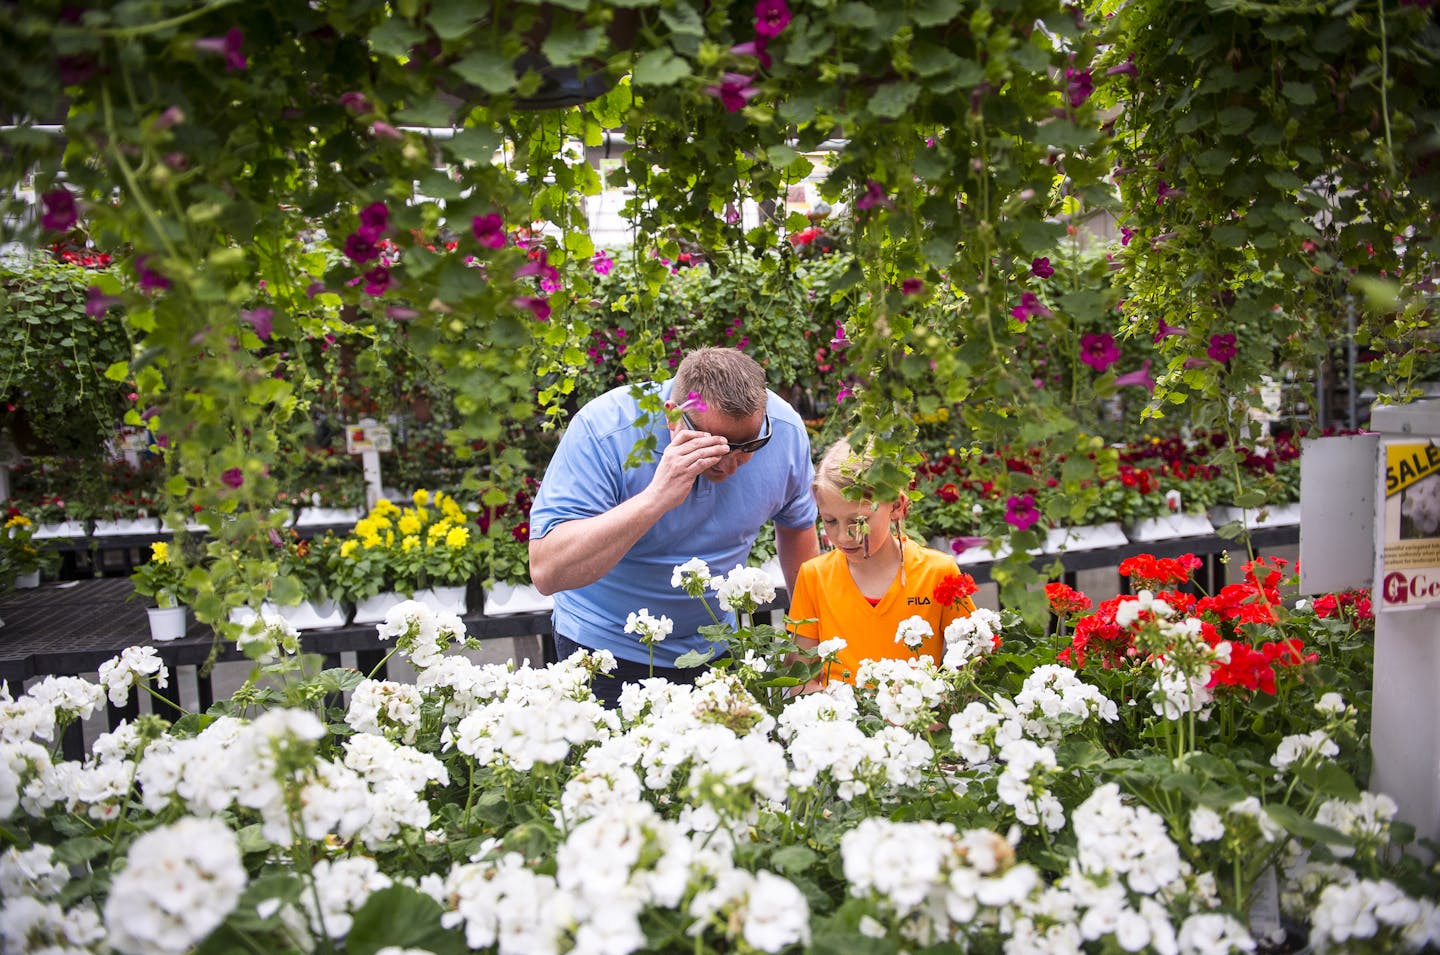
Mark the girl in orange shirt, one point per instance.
(875, 579)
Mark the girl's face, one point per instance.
(850, 525)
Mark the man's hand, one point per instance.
(689, 455)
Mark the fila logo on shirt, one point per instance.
(917, 602)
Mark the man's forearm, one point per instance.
(580, 552)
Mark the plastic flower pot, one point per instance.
(167, 623)
(504, 598)
(28, 581)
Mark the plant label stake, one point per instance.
(368, 439)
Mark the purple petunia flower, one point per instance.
(1021, 512)
(1030, 307)
(60, 212)
(356, 102)
(374, 220)
(97, 303)
(259, 319)
(150, 280)
(755, 48)
(231, 46)
(377, 281)
(874, 195)
(1166, 191)
(732, 214)
(489, 230)
(1222, 348)
(539, 307)
(912, 286)
(1099, 351)
(1140, 376)
(961, 544)
(314, 288)
(360, 249)
(771, 18)
(385, 131)
(734, 91)
(539, 266)
(1126, 235)
(1127, 68)
(1167, 330)
(1078, 86)
(602, 263)
(232, 477)
(1041, 267)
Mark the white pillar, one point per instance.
(1405, 720)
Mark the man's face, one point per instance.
(746, 436)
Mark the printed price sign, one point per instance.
(370, 437)
(1410, 566)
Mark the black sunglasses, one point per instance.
(743, 447)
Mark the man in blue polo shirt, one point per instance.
(605, 538)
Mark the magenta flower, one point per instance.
(356, 102)
(755, 48)
(231, 46)
(60, 212)
(541, 267)
(232, 478)
(602, 263)
(734, 91)
(1078, 86)
(259, 319)
(912, 286)
(1165, 191)
(1166, 330)
(374, 220)
(961, 544)
(314, 288)
(771, 18)
(732, 214)
(539, 307)
(377, 281)
(400, 313)
(1222, 348)
(97, 303)
(489, 230)
(1127, 68)
(385, 131)
(843, 393)
(360, 249)
(172, 116)
(1099, 351)
(1029, 307)
(150, 280)
(1021, 512)
(840, 342)
(1126, 235)
(874, 195)
(1140, 376)
(1041, 268)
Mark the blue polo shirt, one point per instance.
(718, 522)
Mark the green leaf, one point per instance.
(118, 371)
(684, 20)
(431, 112)
(405, 918)
(793, 859)
(1228, 236)
(659, 68)
(930, 59)
(487, 70)
(1301, 94)
(932, 13)
(565, 46)
(857, 16)
(579, 245)
(892, 100)
(394, 37)
(1234, 119)
(452, 19)
(477, 144)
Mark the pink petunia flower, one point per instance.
(734, 91)
(1099, 351)
(1041, 267)
(232, 477)
(97, 303)
(1166, 191)
(231, 46)
(874, 195)
(755, 48)
(539, 307)
(60, 212)
(771, 18)
(1222, 348)
(1021, 512)
(360, 249)
(912, 286)
(1166, 330)
(374, 220)
(260, 319)
(150, 280)
(1127, 68)
(539, 266)
(1140, 376)
(1078, 86)
(356, 102)
(1030, 307)
(377, 281)
(602, 263)
(489, 230)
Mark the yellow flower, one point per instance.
(452, 510)
(160, 552)
(457, 537)
(19, 520)
(348, 547)
(438, 531)
(421, 497)
(371, 540)
(411, 542)
(384, 508)
(366, 527)
(423, 515)
(409, 523)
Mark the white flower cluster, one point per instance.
(133, 665)
(1183, 672)
(421, 632)
(908, 692)
(31, 917)
(1373, 915)
(744, 589)
(267, 635)
(52, 702)
(914, 631)
(693, 577)
(1303, 748)
(1024, 784)
(1054, 701)
(650, 630)
(1365, 820)
(971, 638)
(178, 884)
(385, 708)
(931, 880)
(1115, 837)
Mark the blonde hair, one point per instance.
(728, 380)
(840, 467)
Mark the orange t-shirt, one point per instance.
(825, 591)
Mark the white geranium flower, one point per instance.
(831, 647)
(1303, 748)
(650, 630)
(178, 884)
(693, 577)
(744, 589)
(119, 674)
(913, 632)
(1206, 825)
(1330, 704)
